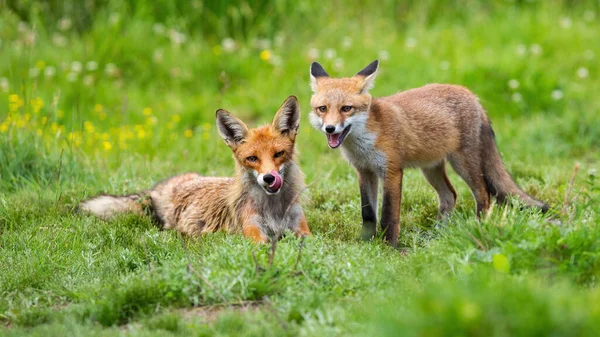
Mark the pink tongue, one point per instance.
(278, 181)
(334, 140)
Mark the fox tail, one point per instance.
(107, 207)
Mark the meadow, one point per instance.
(113, 96)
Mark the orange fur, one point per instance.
(422, 127)
(194, 205)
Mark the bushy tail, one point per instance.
(107, 207)
(499, 182)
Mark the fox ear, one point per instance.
(368, 74)
(316, 71)
(231, 128)
(287, 119)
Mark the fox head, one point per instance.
(339, 103)
(264, 152)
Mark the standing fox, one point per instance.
(261, 201)
(421, 127)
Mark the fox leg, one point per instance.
(437, 177)
(368, 183)
(471, 171)
(303, 229)
(390, 212)
(253, 232)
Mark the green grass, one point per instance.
(116, 96)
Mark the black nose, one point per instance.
(329, 128)
(269, 178)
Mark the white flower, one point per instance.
(228, 44)
(88, 80)
(111, 69)
(589, 15)
(159, 28)
(49, 71)
(516, 97)
(384, 55)
(276, 60)
(91, 66)
(565, 22)
(279, 39)
(313, 53)
(582, 72)
(64, 24)
(513, 84)
(445, 65)
(410, 43)
(521, 50)
(177, 38)
(114, 18)
(346, 42)
(535, 49)
(4, 84)
(76, 66)
(59, 40)
(329, 53)
(157, 56)
(34, 72)
(72, 77)
(557, 94)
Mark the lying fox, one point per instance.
(261, 201)
(422, 127)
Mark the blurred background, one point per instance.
(113, 82)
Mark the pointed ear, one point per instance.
(368, 74)
(231, 128)
(287, 119)
(316, 71)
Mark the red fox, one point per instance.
(261, 201)
(422, 127)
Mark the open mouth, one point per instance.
(336, 139)
(276, 185)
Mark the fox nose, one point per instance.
(269, 178)
(329, 128)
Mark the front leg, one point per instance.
(368, 183)
(392, 198)
(250, 221)
(302, 229)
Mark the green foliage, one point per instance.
(113, 96)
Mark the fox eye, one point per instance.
(252, 159)
(322, 108)
(279, 154)
(346, 108)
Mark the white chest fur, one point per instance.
(360, 151)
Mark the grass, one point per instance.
(116, 96)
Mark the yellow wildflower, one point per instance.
(151, 120)
(98, 108)
(13, 98)
(39, 132)
(107, 146)
(37, 104)
(265, 55)
(188, 133)
(175, 119)
(206, 126)
(89, 127)
(147, 112)
(3, 127)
